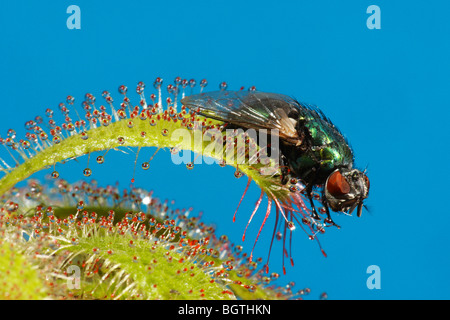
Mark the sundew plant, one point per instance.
(86, 240)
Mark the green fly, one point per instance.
(312, 149)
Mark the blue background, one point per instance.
(386, 89)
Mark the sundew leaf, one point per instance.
(141, 129)
(149, 269)
(19, 279)
(147, 252)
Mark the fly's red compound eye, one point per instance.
(337, 185)
(367, 182)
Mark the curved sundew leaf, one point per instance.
(132, 252)
(119, 134)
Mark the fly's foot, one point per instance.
(331, 222)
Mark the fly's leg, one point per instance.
(311, 202)
(284, 170)
(328, 220)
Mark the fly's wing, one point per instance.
(249, 109)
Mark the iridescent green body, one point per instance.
(325, 148)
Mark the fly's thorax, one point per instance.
(314, 164)
(323, 148)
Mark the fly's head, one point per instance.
(346, 189)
